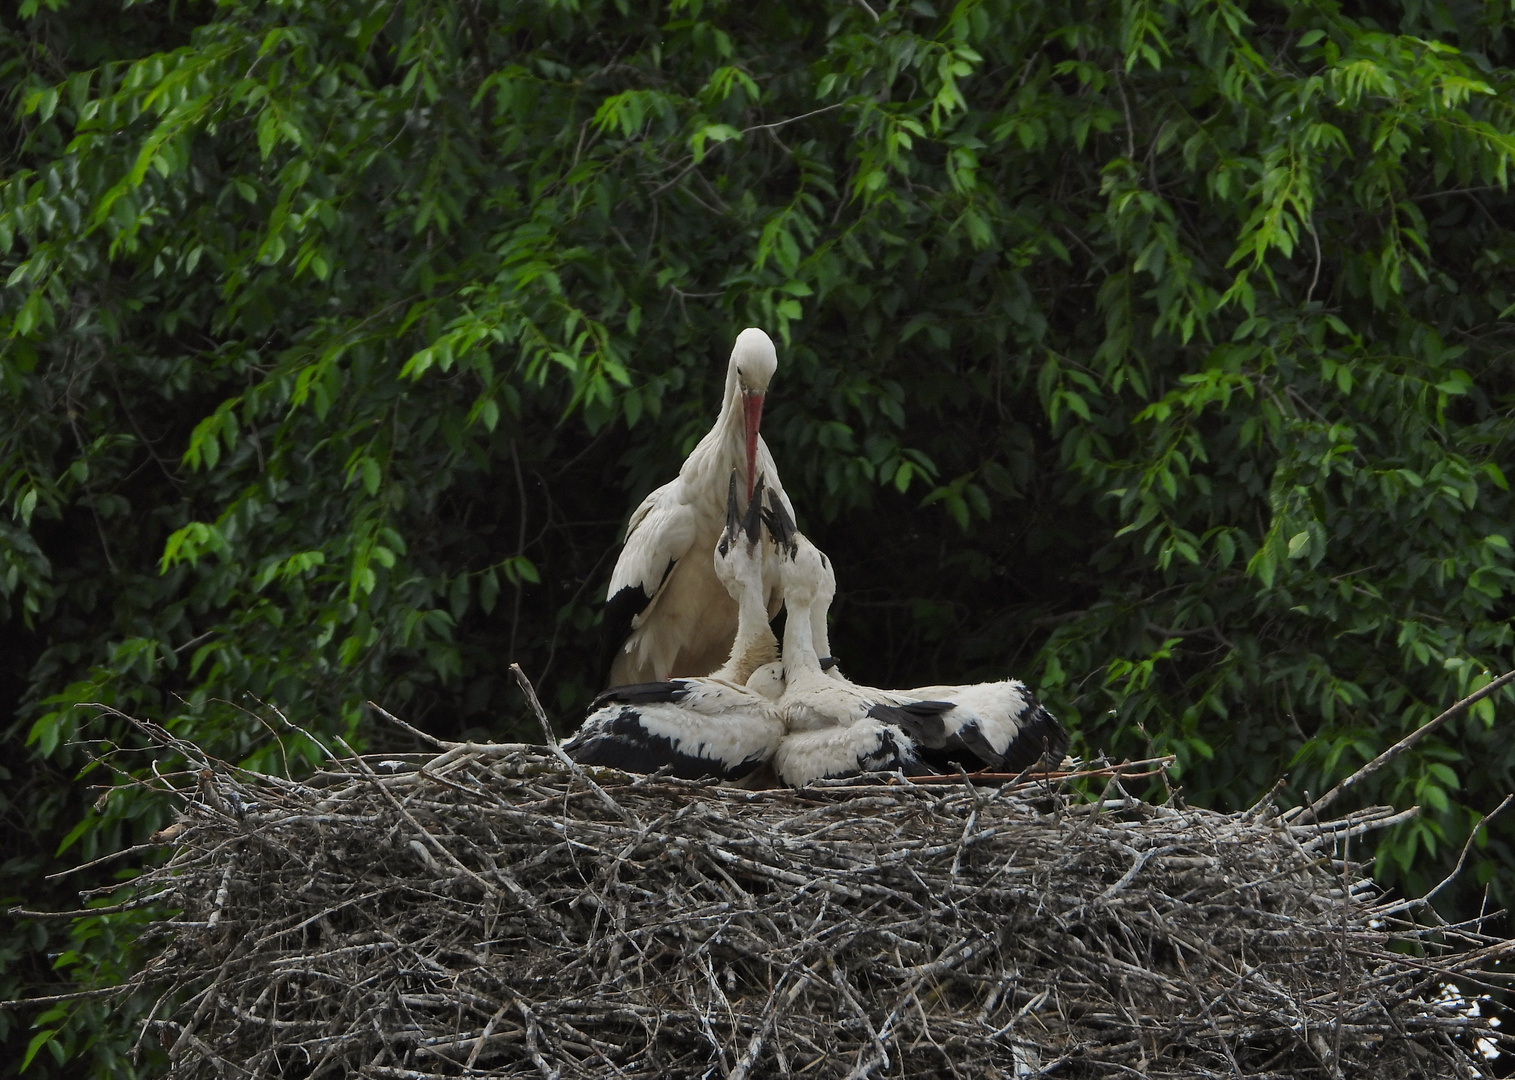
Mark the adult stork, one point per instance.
(708, 726)
(667, 614)
(999, 726)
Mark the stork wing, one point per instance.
(1001, 724)
(639, 694)
(869, 745)
(921, 720)
(659, 534)
(648, 737)
(707, 696)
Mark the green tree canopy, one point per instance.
(1154, 352)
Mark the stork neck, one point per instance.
(723, 448)
(799, 641)
(754, 645)
(819, 636)
(751, 611)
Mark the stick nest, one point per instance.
(496, 911)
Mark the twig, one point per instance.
(440, 744)
(557, 749)
(689, 166)
(437, 845)
(1313, 812)
(685, 928)
(1422, 901)
(537, 710)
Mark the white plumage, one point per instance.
(705, 726)
(698, 727)
(768, 680)
(997, 726)
(740, 559)
(836, 728)
(829, 753)
(667, 614)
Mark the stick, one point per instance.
(489, 890)
(1421, 901)
(553, 745)
(440, 744)
(536, 707)
(1313, 812)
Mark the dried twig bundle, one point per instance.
(495, 911)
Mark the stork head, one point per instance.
(780, 525)
(805, 571)
(753, 362)
(768, 680)
(738, 564)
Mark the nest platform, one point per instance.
(495, 911)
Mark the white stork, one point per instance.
(995, 726)
(667, 614)
(832, 753)
(707, 726)
(741, 574)
(836, 728)
(998, 726)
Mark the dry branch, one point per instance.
(491, 911)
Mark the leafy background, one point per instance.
(1154, 352)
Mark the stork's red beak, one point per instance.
(752, 411)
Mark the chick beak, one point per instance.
(753, 520)
(733, 516)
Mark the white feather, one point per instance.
(714, 724)
(866, 746)
(689, 621)
(768, 680)
(726, 733)
(997, 707)
(996, 719)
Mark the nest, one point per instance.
(494, 910)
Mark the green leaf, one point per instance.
(372, 476)
(38, 1041)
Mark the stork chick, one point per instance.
(998, 726)
(704, 726)
(836, 728)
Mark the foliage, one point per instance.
(1155, 352)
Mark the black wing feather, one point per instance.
(1042, 739)
(921, 720)
(619, 741)
(893, 754)
(967, 748)
(641, 693)
(620, 609)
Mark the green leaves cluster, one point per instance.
(1156, 353)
